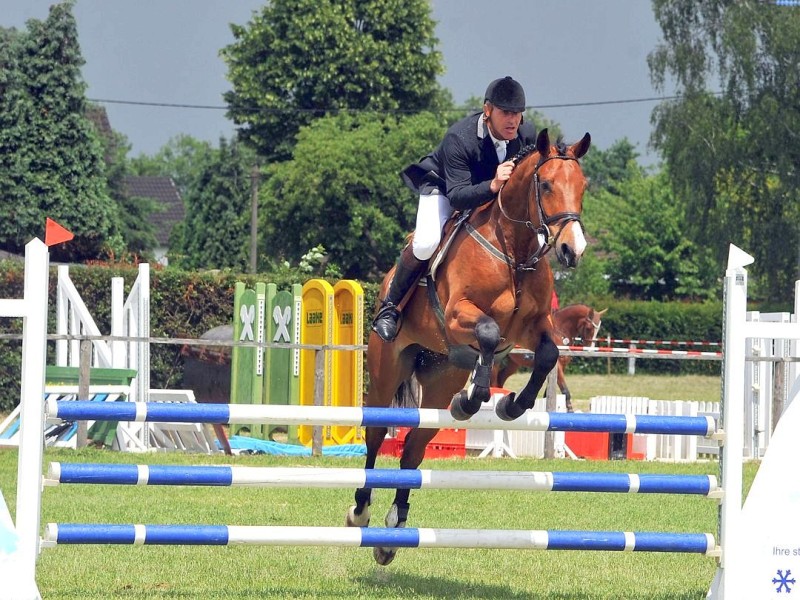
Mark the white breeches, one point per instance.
(432, 213)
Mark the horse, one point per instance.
(490, 290)
(571, 322)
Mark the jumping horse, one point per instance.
(492, 290)
(572, 323)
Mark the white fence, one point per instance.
(658, 446)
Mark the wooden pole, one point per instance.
(319, 390)
(82, 439)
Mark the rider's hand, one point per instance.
(501, 176)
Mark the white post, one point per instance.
(22, 583)
(732, 418)
(118, 347)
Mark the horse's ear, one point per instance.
(582, 147)
(543, 143)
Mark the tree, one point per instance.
(216, 231)
(342, 190)
(51, 160)
(641, 233)
(606, 169)
(301, 59)
(733, 157)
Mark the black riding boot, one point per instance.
(408, 270)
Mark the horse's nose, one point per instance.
(572, 245)
(569, 258)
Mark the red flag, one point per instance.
(55, 233)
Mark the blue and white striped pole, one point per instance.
(226, 535)
(426, 418)
(288, 477)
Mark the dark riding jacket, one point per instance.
(464, 164)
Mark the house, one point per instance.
(163, 191)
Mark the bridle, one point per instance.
(543, 232)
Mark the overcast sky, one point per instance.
(582, 62)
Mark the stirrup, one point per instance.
(385, 322)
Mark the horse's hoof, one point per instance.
(354, 520)
(507, 409)
(383, 556)
(457, 407)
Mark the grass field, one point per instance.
(243, 572)
(656, 387)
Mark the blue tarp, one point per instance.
(240, 442)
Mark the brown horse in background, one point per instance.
(576, 321)
(491, 291)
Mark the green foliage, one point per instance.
(216, 231)
(342, 190)
(299, 59)
(630, 319)
(587, 281)
(649, 257)
(733, 158)
(51, 161)
(604, 169)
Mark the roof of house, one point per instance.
(164, 192)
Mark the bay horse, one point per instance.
(492, 290)
(576, 321)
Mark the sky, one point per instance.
(582, 63)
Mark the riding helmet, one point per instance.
(507, 94)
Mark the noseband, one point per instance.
(543, 232)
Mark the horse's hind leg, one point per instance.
(387, 370)
(413, 453)
(546, 357)
(562, 383)
(359, 514)
(467, 402)
(439, 380)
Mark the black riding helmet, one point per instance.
(507, 94)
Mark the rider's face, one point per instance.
(502, 123)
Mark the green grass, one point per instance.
(128, 572)
(656, 387)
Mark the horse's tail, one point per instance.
(409, 394)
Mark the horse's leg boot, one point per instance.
(409, 268)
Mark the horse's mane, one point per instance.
(526, 151)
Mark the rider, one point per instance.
(466, 170)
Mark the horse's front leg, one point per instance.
(545, 358)
(467, 402)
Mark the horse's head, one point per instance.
(558, 186)
(579, 321)
(553, 185)
(590, 326)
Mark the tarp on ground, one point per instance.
(253, 445)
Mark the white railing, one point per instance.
(661, 446)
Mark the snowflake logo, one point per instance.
(783, 581)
